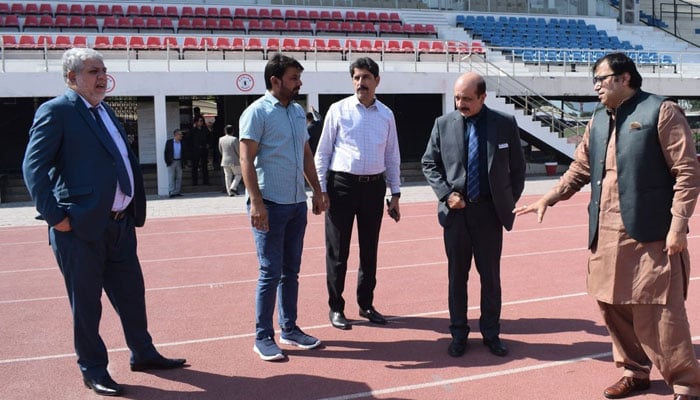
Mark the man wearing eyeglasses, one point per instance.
(639, 155)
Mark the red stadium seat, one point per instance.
(102, 43)
(146, 11)
(273, 44)
(351, 45)
(225, 12)
(395, 17)
(408, 29)
(477, 48)
(184, 23)
(137, 43)
(251, 13)
(172, 12)
(89, 9)
(159, 11)
(199, 23)
(372, 16)
(222, 43)
(27, 42)
(11, 21)
(393, 46)
(290, 14)
(17, 9)
(212, 24)
(238, 25)
(302, 14)
(201, 12)
(138, 23)
(5, 9)
(119, 43)
(325, 15)
(76, 22)
(132, 10)
(91, 23)
(238, 43)
(154, 43)
(239, 13)
(350, 16)
(47, 21)
(78, 41)
(170, 42)
(407, 46)
(304, 44)
(207, 43)
(313, 15)
(103, 10)
(437, 47)
(225, 24)
(45, 8)
(254, 44)
(336, 15)
(63, 42)
(362, 16)
(384, 17)
(213, 12)
(264, 13)
(9, 41)
(31, 21)
(276, 13)
(289, 44)
(268, 25)
(31, 9)
(45, 41)
(280, 26)
(187, 12)
(166, 24)
(117, 10)
(190, 43)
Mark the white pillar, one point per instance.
(162, 134)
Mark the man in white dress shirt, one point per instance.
(356, 160)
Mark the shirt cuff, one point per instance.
(679, 225)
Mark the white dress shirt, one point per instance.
(359, 140)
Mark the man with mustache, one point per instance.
(87, 185)
(357, 158)
(639, 155)
(475, 165)
(275, 158)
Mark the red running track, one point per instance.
(201, 274)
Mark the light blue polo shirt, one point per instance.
(281, 135)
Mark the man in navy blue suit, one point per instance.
(87, 184)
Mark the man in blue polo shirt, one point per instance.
(275, 159)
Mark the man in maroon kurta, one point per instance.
(639, 154)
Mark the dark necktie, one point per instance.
(472, 161)
(122, 174)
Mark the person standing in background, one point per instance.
(173, 154)
(230, 160)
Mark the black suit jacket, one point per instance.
(169, 153)
(444, 162)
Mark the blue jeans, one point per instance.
(279, 254)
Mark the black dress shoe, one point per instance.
(158, 363)
(457, 348)
(338, 320)
(496, 347)
(373, 316)
(104, 386)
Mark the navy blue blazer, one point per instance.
(445, 158)
(70, 167)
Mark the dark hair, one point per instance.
(480, 86)
(619, 63)
(228, 129)
(365, 63)
(277, 66)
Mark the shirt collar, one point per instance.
(357, 103)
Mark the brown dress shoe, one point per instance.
(625, 386)
(685, 397)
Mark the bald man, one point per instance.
(475, 165)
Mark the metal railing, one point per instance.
(558, 120)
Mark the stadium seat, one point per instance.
(384, 17)
(263, 13)
(325, 15)
(372, 16)
(239, 26)
(138, 23)
(11, 21)
(102, 43)
(336, 15)
(211, 24)
(78, 41)
(9, 41)
(17, 9)
(207, 43)
(137, 43)
(117, 10)
(222, 43)
(225, 12)
(302, 14)
(27, 42)
(190, 43)
(254, 44)
(199, 24)
(31, 9)
(238, 43)
(90, 22)
(47, 21)
(31, 22)
(276, 13)
(314, 15)
(251, 13)
(272, 45)
(5, 9)
(239, 13)
(304, 44)
(132, 10)
(172, 12)
(45, 41)
(290, 13)
(187, 12)
(119, 43)
(159, 11)
(350, 15)
(63, 42)
(393, 46)
(46, 8)
(201, 12)
(289, 44)
(154, 43)
(103, 10)
(170, 42)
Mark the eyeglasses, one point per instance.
(602, 78)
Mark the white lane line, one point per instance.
(489, 375)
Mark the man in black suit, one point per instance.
(87, 184)
(173, 154)
(475, 165)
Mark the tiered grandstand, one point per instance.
(164, 58)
